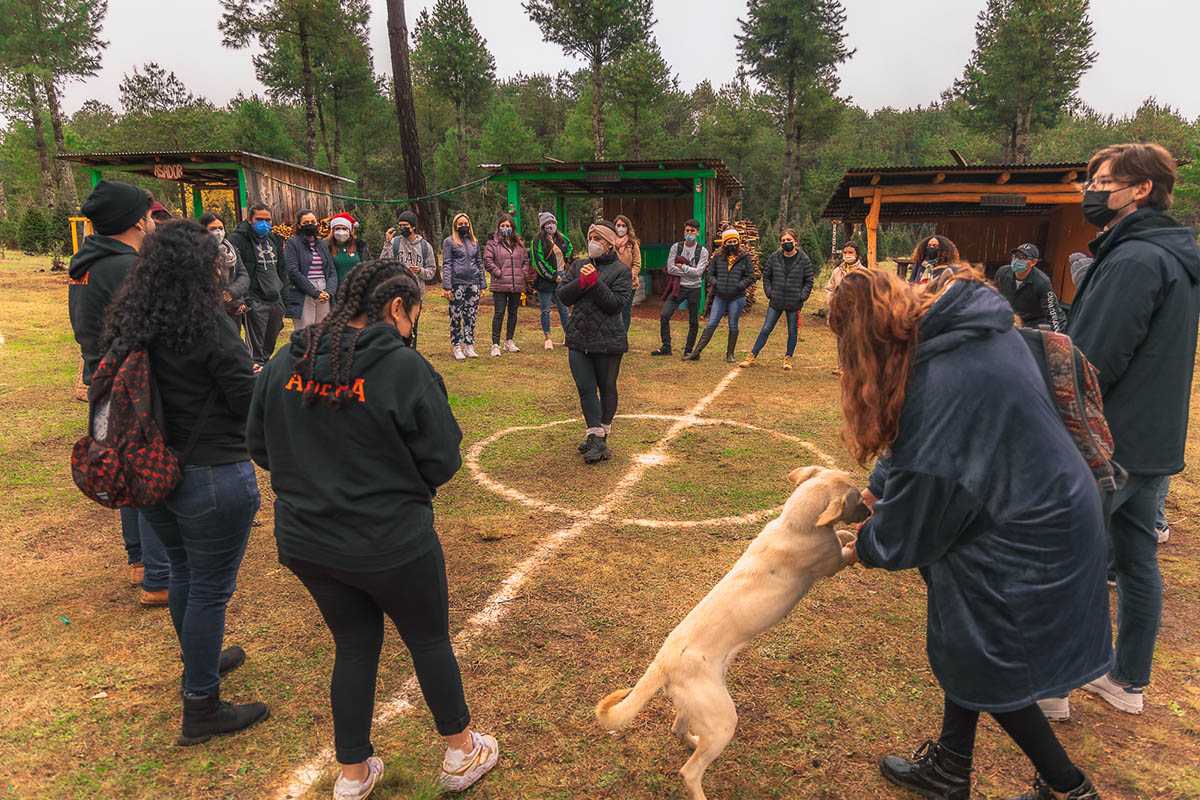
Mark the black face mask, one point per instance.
(731, 248)
(404, 230)
(931, 254)
(788, 247)
(463, 230)
(1096, 210)
(309, 229)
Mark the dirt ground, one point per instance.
(89, 704)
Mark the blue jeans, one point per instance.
(546, 297)
(773, 315)
(720, 306)
(143, 547)
(204, 525)
(1160, 521)
(1134, 557)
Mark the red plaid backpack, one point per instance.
(124, 459)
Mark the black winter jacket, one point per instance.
(354, 486)
(264, 287)
(729, 281)
(1135, 317)
(595, 325)
(788, 281)
(95, 272)
(1034, 300)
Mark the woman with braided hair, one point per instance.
(356, 429)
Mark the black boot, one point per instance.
(665, 350)
(932, 772)
(208, 715)
(731, 346)
(694, 355)
(597, 449)
(1041, 791)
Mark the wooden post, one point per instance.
(873, 228)
(560, 211)
(241, 193)
(197, 202)
(700, 212)
(514, 203)
(95, 177)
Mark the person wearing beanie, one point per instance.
(730, 273)
(348, 250)
(597, 288)
(159, 213)
(408, 247)
(120, 216)
(550, 253)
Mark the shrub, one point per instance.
(59, 234)
(34, 232)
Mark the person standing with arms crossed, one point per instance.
(686, 264)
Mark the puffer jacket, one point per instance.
(788, 282)
(596, 325)
(509, 265)
(462, 264)
(729, 277)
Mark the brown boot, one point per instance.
(154, 599)
(136, 573)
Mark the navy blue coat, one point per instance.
(987, 495)
(297, 257)
(1135, 318)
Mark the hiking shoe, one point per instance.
(1163, 534)
(749, 362)
(357, 790)
(136, 573)
(154, 599)
(1042, 791)
(549, 345)
(1119, 695)
(597, 449)
(511, 347)
(460, 771)
(787, 363)
(662, 351)
(469, 350)
(495, 349)
(208, 715)
(932, 772)
(458, 353)
(231, 658)
(1056, 709)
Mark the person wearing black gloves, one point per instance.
(730, 273)
(787, 283)
(1028, 290)
(597, 288)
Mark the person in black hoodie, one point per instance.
(787, 283)
(730, 273)
(597, 289)
(261, 251)
(1028, 290)
(120, 215)
(356, 430)
(172, 306)
(1135, 316)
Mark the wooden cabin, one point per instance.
(985, 210)
(253, 178)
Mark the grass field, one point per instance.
(89, 704)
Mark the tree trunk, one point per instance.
(336, 164)
(3, 206)
(405, 114)
(324, 134)
(598, 107)
(1021, 131)
(462, 145)
(66, 183)
(637, 139)
(309, 96)
(789, 130)
(39, 137)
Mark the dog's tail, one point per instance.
(618, 709)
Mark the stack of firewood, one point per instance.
(749, 233)
(286, 230)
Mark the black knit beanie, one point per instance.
(114, 207)
(410, 218)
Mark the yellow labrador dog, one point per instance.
(776, 570)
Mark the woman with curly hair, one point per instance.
(939, 385)
(357, 432)
(171, 304)
(931, 258)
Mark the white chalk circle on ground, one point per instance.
(477, 472)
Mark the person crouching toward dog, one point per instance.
(597, 289)
(1012, 548)
(357, 432)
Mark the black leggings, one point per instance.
(414, 597)
(596, 379)
(1027, 727)
(502, 301)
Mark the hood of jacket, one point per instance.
(375, 342)
(1157, 227)
(93, 249)
(967, 310)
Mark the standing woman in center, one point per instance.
(507, 260)
(597, 288)
(629, 250)
(730, 273)
(311, 272)
(463, 278)
(787, 283)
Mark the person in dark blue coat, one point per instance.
(311, 272)
(1010, 546)
(1135, 317)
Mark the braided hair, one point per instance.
(367, 290)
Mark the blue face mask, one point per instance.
(689, 237)
(1020, 266)
(261, 226)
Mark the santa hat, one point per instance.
(343, 220)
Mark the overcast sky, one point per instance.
(907, 52)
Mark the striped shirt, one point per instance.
(316, 269)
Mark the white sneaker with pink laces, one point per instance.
(460, 771)
(357, 790)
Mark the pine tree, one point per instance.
(153, 90)
(33, 235)
(453, 60)
(640, 78)
(1028, 59)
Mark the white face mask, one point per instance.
(622, 230)
(849, 259)
(341, 235)
(218, 234)
(596, 249)
(551, 228)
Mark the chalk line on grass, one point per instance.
(496, 607)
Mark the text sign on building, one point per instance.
(168, 172)
(1006, 200)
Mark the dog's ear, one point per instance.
(800, 474)
(833, 512)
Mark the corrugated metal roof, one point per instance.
(1065, 165)
(148, 157)
(560, 169)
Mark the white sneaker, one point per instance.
(549, 345)
(470, 351)
(357, 790)
(460, 771)
(458, 353)
(511, 346)
(495, 349)
(1163, 533)
(1056, 709)
(1125, 698)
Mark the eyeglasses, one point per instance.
(1101, 184)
